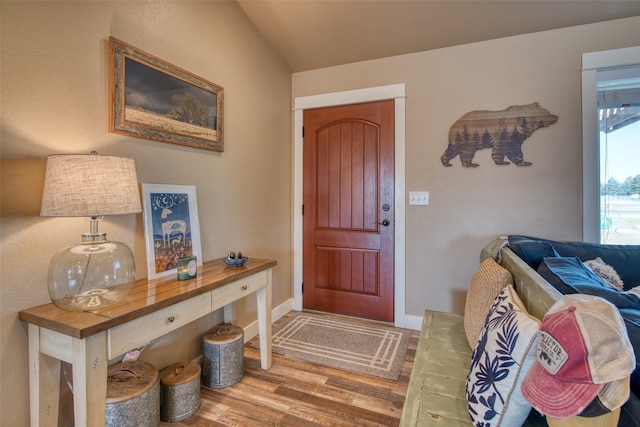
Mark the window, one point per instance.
(619, 158)
(611, 146)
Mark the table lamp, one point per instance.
(96, 273)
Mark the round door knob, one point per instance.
(385, 222)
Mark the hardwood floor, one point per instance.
(298, 393)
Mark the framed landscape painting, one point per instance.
(171, 227)
(152, 99)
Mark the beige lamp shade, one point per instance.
(89, 185)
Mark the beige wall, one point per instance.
(469, 207)
(54, 100)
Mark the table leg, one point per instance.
(44, 383)
(263, 297)
(230, 313)
(90, 380)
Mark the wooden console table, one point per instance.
(88, 340)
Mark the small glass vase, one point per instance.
(93, 275)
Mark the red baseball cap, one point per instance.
(582, 345)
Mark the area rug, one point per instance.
(341, 343)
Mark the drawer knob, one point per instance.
(244, 287)
(171, 319)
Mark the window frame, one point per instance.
(592, 63)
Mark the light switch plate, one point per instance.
(418, 197)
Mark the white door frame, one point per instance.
(397, 93)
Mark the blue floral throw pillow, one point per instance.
(501, 359)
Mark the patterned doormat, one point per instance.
(341, 343)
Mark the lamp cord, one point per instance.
(93, 231)
(84, 275)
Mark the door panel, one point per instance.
(348, 177)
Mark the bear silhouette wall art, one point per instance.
(503, 132)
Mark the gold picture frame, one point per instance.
(153, 99)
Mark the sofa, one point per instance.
(441, 386)
(543, 270)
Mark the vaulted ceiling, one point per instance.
(311, 34)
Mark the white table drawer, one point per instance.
(130, 335)
(236, 290)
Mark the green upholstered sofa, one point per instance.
(436, 392)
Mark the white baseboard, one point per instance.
(413, 322)
(251, 330)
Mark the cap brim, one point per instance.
(555, 398)
(612, 396)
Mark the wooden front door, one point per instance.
(348, 196)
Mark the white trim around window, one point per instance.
(591, 64)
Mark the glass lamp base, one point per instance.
(91, 276)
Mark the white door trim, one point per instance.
(397, 93)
